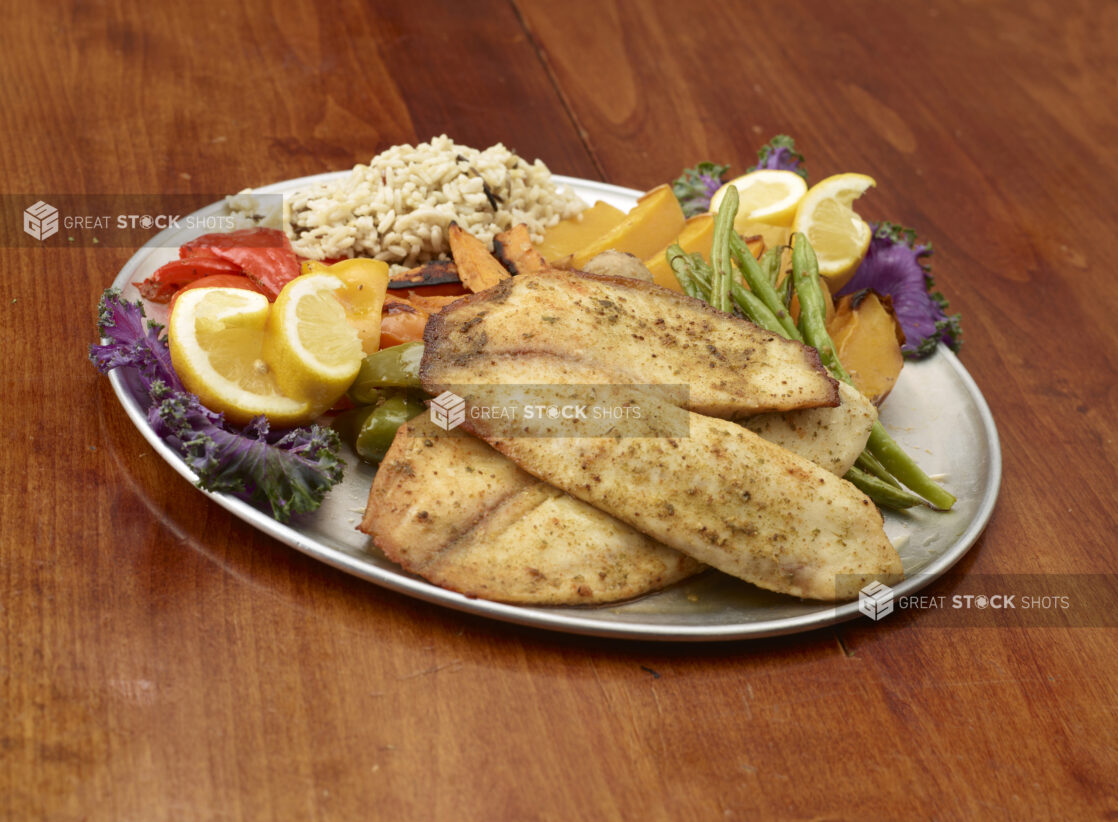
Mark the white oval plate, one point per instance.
(935, 411)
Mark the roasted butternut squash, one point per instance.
(868, 342)
(567, 236)
(654, 222)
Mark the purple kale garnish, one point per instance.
(780, 153)
(696, 186)
(136, 342)
(289, 472)
(895, 265)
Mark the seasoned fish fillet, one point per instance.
(830, 437)
(718, 492)
(637, 333)
(454, 511)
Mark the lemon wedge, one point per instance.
(216, 338)
(839, 236)
(311, 348)
(766, 196)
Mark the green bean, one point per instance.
(680, 264)
(395, 367)
(813, 311)
(884, 462)
(720, 258)
(805, 273)
(692, 272)
(703, 275)
(750, 306)
(760, 285)
(756, 311)
(872, 465)
(770, 264)
(883, 494)
(875, 467)
(748, 303)
(905, 469)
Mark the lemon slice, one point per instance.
(312, 350)
(839, 236)
(766, 196)
(216, 338)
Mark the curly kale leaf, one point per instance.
(135, 342)
(897, 266)
(697, 185)
(291, 474)
(780, 153)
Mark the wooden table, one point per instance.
(162, 660)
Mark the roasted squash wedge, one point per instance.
(567, 236)
(868, 342)
(655, 221)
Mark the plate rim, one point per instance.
(564, 619)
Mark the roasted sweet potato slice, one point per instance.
(432, 303)
(436, 272)
(515, 251)
(477, 268)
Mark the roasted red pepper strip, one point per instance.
(241, 238)
(270, 268)
(263, 254)
(169, 278)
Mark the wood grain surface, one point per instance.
(161, 660)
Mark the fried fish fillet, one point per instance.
(461, 515)
(717, 491)
(637, 333)
(830, 437)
